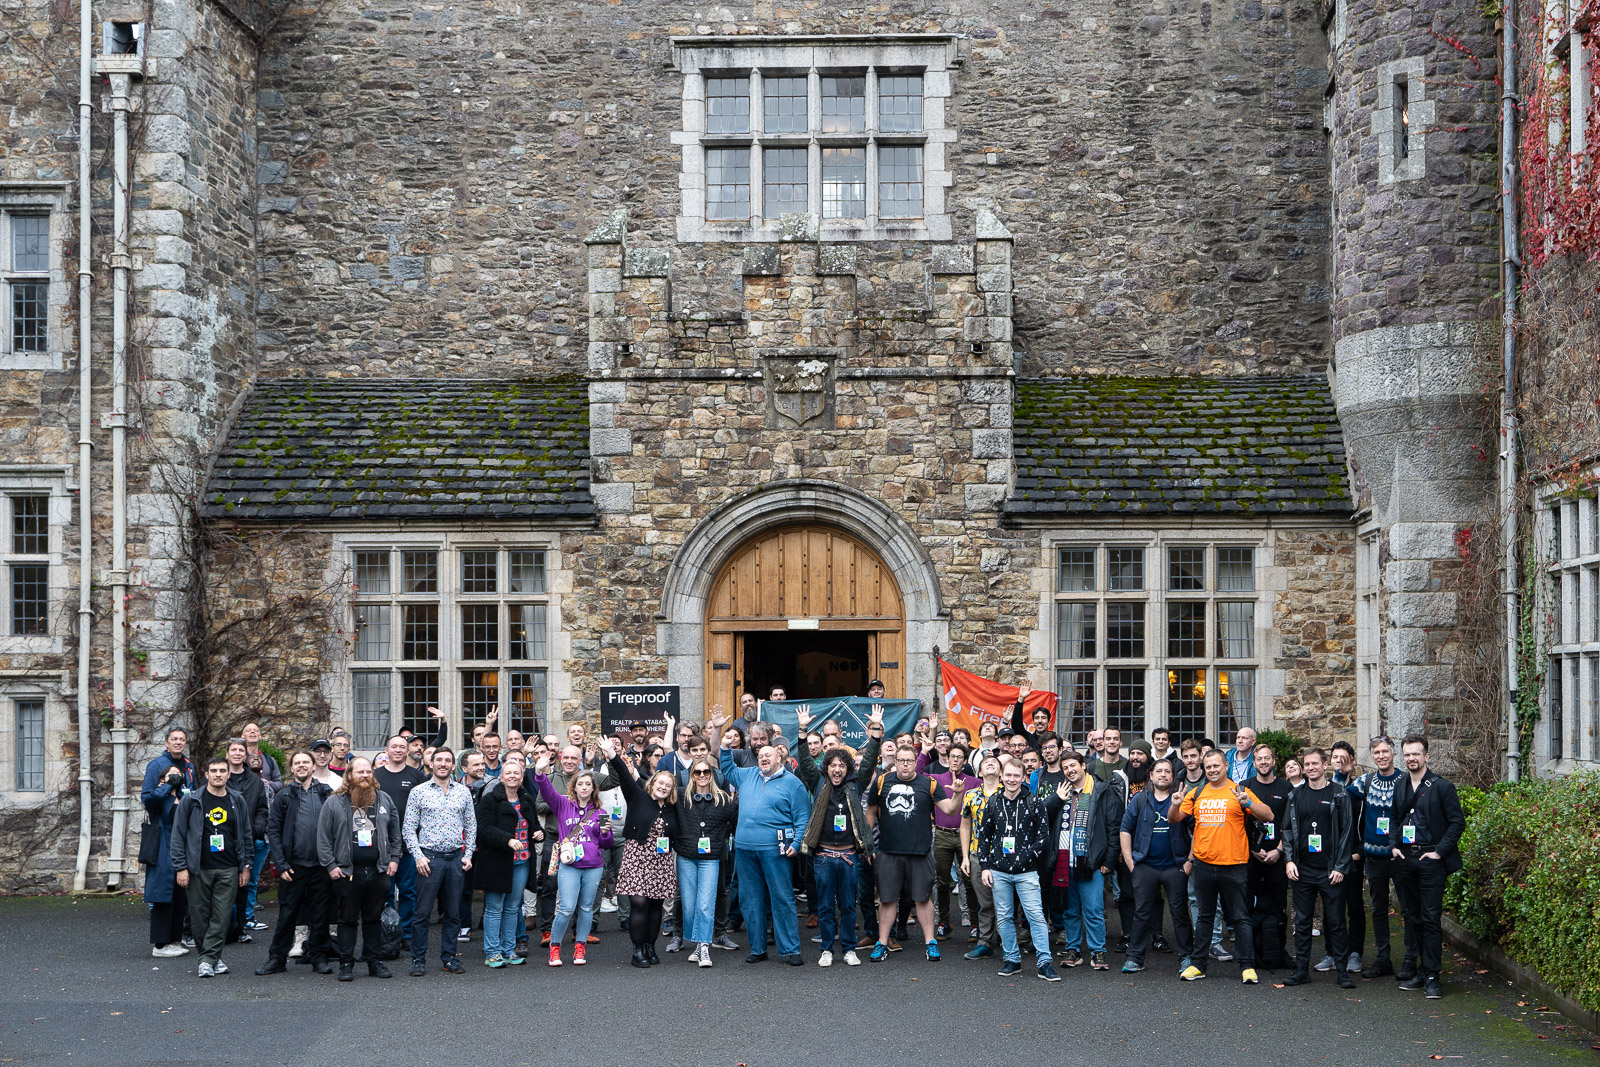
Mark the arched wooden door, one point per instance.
(806, 581)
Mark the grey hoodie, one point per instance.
(336, 836)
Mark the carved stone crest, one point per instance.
(799, 385)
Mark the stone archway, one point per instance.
(680, 626)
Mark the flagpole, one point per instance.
(938, 688)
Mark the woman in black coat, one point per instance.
(649, 873)
(508, 827)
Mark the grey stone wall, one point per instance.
(425, 173)
(191, 335)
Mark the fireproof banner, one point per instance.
(971, 700)
(649, 704)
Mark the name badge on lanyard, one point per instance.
(216, 843)
(1008, 843)
(1314, 843)
(705, 846)
(839, 823)
(662, 844)
(1408, 834)
(1270, 831)
(1383, 824)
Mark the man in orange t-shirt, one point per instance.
(1221, 853)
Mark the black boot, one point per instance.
(1407, 971)
(1345, 980)
(347, 972)
(1301, 976)
(376, 969)
(650, 952)
(639, 958)
(322, 966)
(273, 966)
(1378, 968)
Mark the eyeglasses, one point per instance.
(702, 774)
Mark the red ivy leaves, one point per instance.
(1560, 192)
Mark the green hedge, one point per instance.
(1531, 881)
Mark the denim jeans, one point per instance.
(575, 890)
(1086, 911)
(502, 915)
(765, 881)
(837, 886)
(1013, 891)
(259, 861)
(442, 883)
(697, 885)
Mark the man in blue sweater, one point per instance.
(774, 808)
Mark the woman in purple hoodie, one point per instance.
(580, 855)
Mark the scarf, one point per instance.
(1078, 819)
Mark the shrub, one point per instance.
(1284, 745)
(1531, 880)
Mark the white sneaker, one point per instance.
(851, 959)
(188, 942)
(204, 970)
(300, 935)
(703, 955)
(826, 959)
(608, 905)
(219, 968)
(169, 951)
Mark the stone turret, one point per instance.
(1411, 113)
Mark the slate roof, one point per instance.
(1090, 445)
(384, 448)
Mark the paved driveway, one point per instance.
(77, 984)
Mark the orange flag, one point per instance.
(970, 700)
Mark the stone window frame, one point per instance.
(1565, 51)
(49, 482)
(1369, 630)
(14, 692)
(1156, 596)
(339, 682)
(934, 56)
(1569, 542)
(1387, 120)
(37, 198)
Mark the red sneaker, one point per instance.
(555, 955)
(578, 955)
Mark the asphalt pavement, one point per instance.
(79, 985)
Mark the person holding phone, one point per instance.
(584, 831)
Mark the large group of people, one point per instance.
(1016, 838)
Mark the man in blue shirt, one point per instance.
(1156, 852)
(774, 808)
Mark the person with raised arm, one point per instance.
(649, 872)
(584, 832)
(773, 810)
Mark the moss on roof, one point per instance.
(307, 450)
(1117, 445)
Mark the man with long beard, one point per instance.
(358, 841)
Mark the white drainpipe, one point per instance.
(1511, 260)
(85, 400)
(118, 420)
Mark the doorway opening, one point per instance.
(810, 665)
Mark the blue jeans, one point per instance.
(1086, 910)
(1025, 888)
(258, 862)
(697, 884)
(575, 890)
(443, 881)
(838, 884)
(405, 890)
(766, 880)
(502, 914)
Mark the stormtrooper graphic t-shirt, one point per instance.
(905, 813)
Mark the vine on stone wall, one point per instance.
(1560, 191)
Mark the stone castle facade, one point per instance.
(486, 354)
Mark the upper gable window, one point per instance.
(850, 129)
